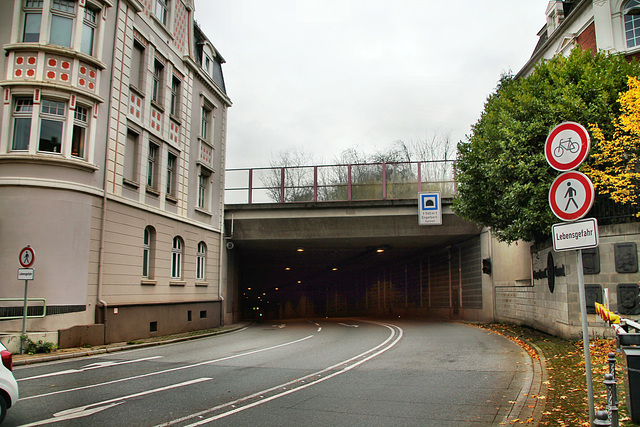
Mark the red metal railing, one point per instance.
(326, 183)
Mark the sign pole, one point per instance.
(24, 319)
(585, 336)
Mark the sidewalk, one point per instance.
(69, 353)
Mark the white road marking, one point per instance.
(296, 384)
(167, 370)
(348, 325)
(83, 411)
(90, 367)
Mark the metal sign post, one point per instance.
(26, 258)
(570, 198)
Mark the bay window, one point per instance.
(80, 124)
(32, 20)
(62, 15)
(52, 115)
(22, 110)
(88, 29)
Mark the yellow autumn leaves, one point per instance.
(615, 166)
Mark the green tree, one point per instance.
(502, 176)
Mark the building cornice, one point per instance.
(53, 86)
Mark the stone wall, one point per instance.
(554, 306)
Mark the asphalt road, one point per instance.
(329, 372)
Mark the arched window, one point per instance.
(201, 261)
(632, 23)
(176, 258)
(148, 252)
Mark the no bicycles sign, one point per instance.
(567, 146)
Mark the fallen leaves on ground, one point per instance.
(566, 399)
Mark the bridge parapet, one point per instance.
(341, 182)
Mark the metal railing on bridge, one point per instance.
(326, 183)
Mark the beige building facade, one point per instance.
(112, 151)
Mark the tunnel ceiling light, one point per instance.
(335, 269)
(299, 281)
(300, 249)
(288, 268)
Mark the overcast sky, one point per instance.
(328, 75)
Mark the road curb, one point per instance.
(77, 354)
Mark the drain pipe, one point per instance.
(101, 302)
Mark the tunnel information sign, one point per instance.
(429, 209)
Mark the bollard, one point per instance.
(612, 399)
(612, 364)
(601, 419)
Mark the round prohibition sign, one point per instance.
(27, 257)
(571, 196)
(567, 146)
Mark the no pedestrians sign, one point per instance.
(571, 196)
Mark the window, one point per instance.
(152, 166)
(158, 70)
(176, 258)
(175, 97)
(172, 161)
(32, 20)
(22, 109)
(80, 124)
(148, 252)
(203, 189)
(162, 11)
(62, 14)
(137, 66)
(201, 261)
(88, 30)
(52, 117)
(632, 23)
(205, 126)
(131, 157)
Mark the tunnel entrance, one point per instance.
(311, 279)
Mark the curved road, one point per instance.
(329, 372)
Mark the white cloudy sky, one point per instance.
(327, 75)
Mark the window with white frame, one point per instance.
(172, 164)
(89, 24)
(131, 150)
(162, 11)
(201, 261)
(632, 23)
(203, 189)
(80, 125)
(148, 252)
(32, 20)
(61, 24)
(206, 125)
(22, 110)
(152, 166)
(175, 97)
(52, 116)
(158, 77)
(176, 257)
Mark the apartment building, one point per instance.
(112, 152)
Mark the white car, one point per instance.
(8, 384)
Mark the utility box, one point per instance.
(632, 385)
